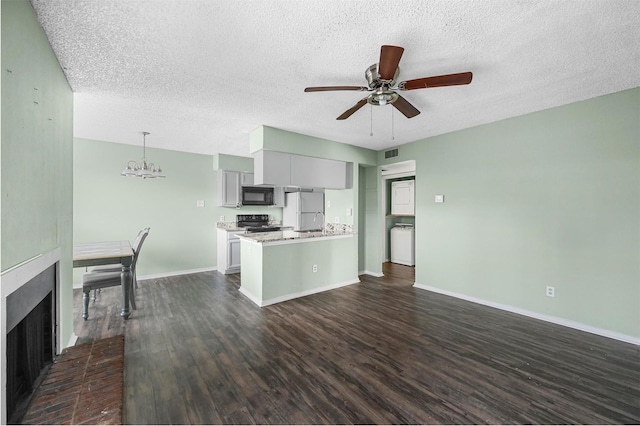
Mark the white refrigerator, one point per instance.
(301, 211)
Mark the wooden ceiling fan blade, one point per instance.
(332, 88)
(403, 105)
(389, 60)
(350, 111)
(437, 81)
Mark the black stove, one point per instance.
(255, 223)
(263, 228)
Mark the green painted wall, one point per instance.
(108, 206)
(37, 140)
(232, 162)
(339, 201)
(371, 258)
(549, 198)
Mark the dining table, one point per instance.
(107, 253)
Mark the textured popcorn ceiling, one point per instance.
(201, 74)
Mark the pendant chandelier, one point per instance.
(143, 170)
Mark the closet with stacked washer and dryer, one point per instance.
(402, 234)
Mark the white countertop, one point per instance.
(286, 237)
(229, 226)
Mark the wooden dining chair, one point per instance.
(97, 279)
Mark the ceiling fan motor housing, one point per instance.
(373, 78)
(383, 94)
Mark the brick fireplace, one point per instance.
(30, 331)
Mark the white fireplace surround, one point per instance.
(10, 281)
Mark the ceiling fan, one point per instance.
(381, 79)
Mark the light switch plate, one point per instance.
(439, 198)
(349, 211)
(200, 203)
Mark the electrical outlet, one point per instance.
(551, 291)
(336, 219)
(349, 211)
(315, 268)
(328, 203)
(221, 218)
(200, 203)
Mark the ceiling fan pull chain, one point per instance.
(371, 110)
(393, 137)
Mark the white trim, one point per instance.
(408, 166)
(165, 274)
(18, 275)
(175, 273)
(397, 175)
(373, 274)
(548, 318)
(279, 299)
(72, 340)
(251, 296)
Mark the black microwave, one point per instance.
(257, 196)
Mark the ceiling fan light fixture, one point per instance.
(382, 98)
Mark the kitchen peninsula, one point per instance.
(283, 265)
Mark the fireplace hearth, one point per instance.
(30, 340)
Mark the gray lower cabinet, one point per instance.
(228, 247)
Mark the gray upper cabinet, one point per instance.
(246, 179)
(271, 168)
(318, 172)
(230, 183)
(283, 169)
(228, 188)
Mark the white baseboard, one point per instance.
(263, 303)
(548, 318)
(72, 341)
(373, 274)
(165, 274)
(251, 296)
(176, 273)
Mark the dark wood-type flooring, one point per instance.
(379, 352)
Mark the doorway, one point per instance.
(401, 172)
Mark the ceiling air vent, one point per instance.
(391, 153)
